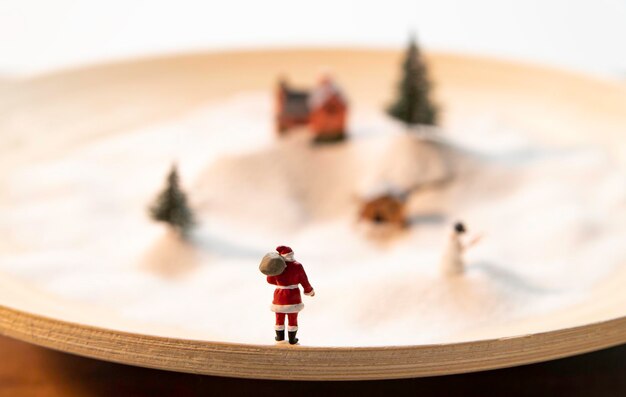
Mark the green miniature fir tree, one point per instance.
(413, 105)
(171, 205)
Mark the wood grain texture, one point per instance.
(109, 99)
(34, 371)
(307, 363)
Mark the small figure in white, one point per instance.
(452, 263)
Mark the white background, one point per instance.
(40, 36)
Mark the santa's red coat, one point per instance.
(287, 294)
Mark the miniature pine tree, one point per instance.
(171, 205)
(413, 105)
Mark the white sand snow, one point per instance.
(77, 226)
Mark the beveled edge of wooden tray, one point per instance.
(307, 363)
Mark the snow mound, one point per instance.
(295, 182)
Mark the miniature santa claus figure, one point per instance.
(287, 301)
(452, 263)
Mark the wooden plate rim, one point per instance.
(303, 362)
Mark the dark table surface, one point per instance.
(27, 370)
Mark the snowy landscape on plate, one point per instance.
(548, 239)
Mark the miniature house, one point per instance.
(385, 208)
(323, 110)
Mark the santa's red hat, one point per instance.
(283, 250)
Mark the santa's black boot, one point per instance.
(280, 336)
(292, 337)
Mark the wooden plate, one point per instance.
(553, 106)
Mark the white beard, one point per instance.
(288, 257)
